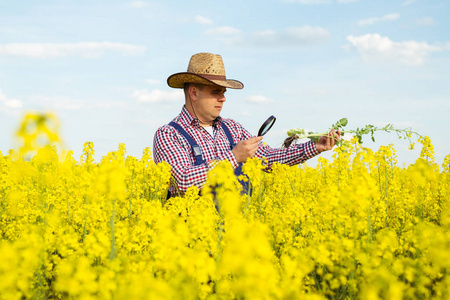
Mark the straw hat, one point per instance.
(204, 68)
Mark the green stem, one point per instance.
(85, 217)
(3, 203)
(369, 226)
(131, 199)
(113, 253)
(359, 132)
(68, 206)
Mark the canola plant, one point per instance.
(356, 227)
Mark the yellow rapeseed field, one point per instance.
(356, 227)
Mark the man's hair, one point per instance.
(187, 85)
(197, 85)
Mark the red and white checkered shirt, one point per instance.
(171, 146)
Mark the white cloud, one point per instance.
(154, 81)
(309, 2)
(83, 49)
(138, 4)
(71, 104)
(259, 99)
(408, 2)
(197, 20)
(158, 96)
(305, 34)
(224, 30)
(60, 103)
(294, 36)
(203, 20)
(371, 21)
(374, 47)
(9, 103)
(425, 21)
(313, 2)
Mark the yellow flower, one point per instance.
(354, 227)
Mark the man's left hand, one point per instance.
(327, 142)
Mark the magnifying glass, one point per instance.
(266, 126)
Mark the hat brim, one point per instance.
(179, 79)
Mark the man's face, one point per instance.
(210, 102)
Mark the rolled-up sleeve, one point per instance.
(293, 155)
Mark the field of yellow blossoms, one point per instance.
(356, 227)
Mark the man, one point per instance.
(198, 137)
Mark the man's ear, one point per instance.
(193, 93)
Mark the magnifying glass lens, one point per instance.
(266, 126)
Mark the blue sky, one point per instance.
(102, 66)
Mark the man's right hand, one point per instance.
(246, 148)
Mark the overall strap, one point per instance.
(238, 171)
(228, 134)
(195, 147)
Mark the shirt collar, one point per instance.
(189, 119)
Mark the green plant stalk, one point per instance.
(319, 135)
(131, 199)
(113, 252)
(295, 134)
(68, 206)
(85, 217)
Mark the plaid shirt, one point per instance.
(169, 145)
